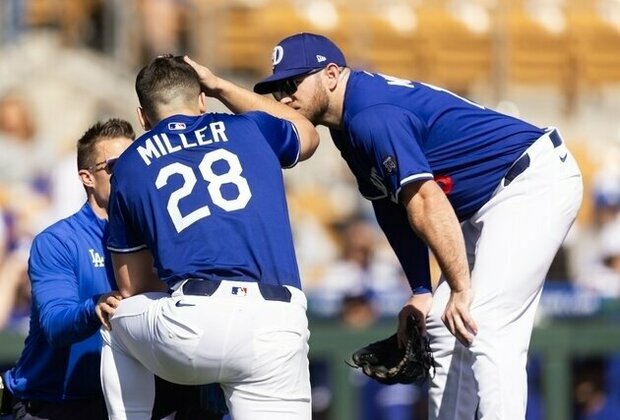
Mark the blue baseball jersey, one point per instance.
(68, 272)
(205, 194)
(398, 131)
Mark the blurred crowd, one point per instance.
(349, 272)
(36, 188)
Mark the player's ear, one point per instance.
(332, 72)
(144, 121)
(202, 102)
(86, 177)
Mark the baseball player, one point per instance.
(490, 195)
(57, 375)
(200, 197)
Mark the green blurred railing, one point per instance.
(557, 342)
(11, 345)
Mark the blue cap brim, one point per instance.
(269, 85)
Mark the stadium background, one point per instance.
(66, 63)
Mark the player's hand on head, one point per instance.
(457, 318)
(208, 80)
(419, 306)
(106, 306)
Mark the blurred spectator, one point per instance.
(25, 154)
(162, 26)
(591, 392)
(604, 275)
(65, 192)
(358, 288)
(375, 400)
(362, 270)
(357, 311)
(24, 161)
(389, 402)
(595, 245)
(15, 293)
(11, 20)
(378, 401)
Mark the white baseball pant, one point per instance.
(256, 349)
(511, 242)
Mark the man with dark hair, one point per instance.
(200, 197)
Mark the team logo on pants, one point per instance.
(239, 291)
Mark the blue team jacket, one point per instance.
(69, 269)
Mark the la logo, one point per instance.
(97, 259)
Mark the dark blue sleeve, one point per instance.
(410, 250)
(64, 318)
(390, 137)
(281, 136)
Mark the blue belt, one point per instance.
(201, 287)
(523, 162)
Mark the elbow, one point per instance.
(312, 146)
(54, 338)
(310, 142)
(126, 290)
(125, 287)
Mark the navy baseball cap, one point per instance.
(297, 55)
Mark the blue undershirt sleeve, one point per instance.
(64, 318)
(410, 250)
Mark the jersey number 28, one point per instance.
(215, 182)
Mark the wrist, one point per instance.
(460, 289)
(219, 88)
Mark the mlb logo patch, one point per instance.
(389, 163)
(176, 126)
(239, 291)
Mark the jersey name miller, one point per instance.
(163, 144)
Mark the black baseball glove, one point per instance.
(385, 362)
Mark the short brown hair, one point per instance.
(112, 128)
(166, 79)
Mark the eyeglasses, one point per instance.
(106, 165)
(288, 87)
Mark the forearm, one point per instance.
(411, 251)
(432, 217)
(239, 100)
(135, 274)
(65, 324)
(143, 285)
